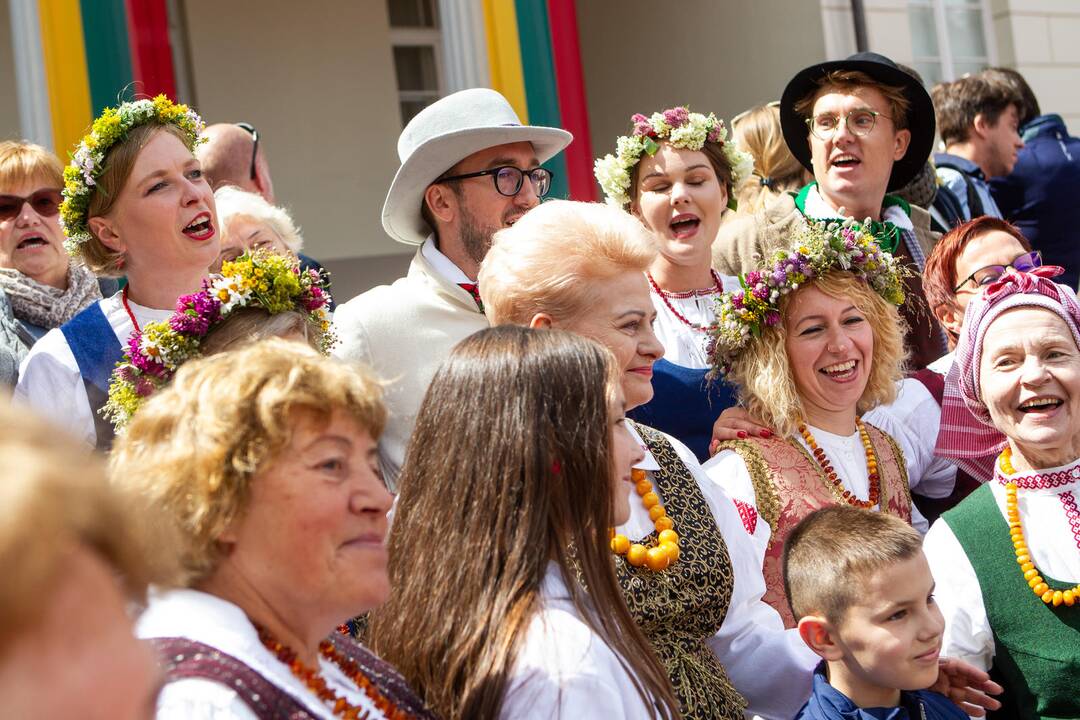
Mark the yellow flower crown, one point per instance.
(88, 161)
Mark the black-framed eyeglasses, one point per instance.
(986, 275)
(859, 122)
(509, 179)
(255, 145)
(46, 203)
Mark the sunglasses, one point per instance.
(255, 145)
(46, 203)
(987, 275)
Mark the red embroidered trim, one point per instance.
(1061, 478)
(1072, 513)
(703, 292)
(682, 318)
(748, 515)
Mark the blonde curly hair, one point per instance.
(763, 373)
(193, 449)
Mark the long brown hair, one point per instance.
(509, 468)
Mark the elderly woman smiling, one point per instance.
(261, 464)
(581, 267)
(1006, 560)
(815, 340)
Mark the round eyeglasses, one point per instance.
(509, 179)
(859, 122)
(989, 274)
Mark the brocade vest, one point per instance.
(679, 608)
(789, 485)
(1036, 645)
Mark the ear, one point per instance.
(817, 633)
(105, 231)
(950, 318)
(442, 202)
(981, 126)
(541, 321)
(901, 141)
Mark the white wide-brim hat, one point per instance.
(443, 134)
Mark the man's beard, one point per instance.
(475, 238)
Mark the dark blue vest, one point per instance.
(685, 405)
(97, 350)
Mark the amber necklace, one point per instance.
(830, 473)
(314, 682)
(1040, 587)
(666, 549)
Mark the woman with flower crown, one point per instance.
(1007, 558)
(135, 204)
(676, 172)
(812, 341)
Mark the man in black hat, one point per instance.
(863, 127)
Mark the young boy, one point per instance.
(861, 587)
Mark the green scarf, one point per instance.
(887, 235)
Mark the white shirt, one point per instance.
(912, 420)
(49, 378)
(770, 666)
(848, 458)
(684, 345)
(210, 620)
(564, 670)
(968, 635)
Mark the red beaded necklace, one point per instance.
(124, 300)
(830, 473)
(719, 286)
(317, 685)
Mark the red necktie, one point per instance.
(474, 290)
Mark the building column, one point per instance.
(35, 118)
(464, 45)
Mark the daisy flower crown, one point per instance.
(264, 280)
(88, 161)
(818, 249)
(678, 127)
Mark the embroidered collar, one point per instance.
(1055, 478)
(895, 213)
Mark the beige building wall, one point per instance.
(1041, 39)
(317, 81)
(714, 56)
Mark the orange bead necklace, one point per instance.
(1040, 587)
(665, 551)
(314, 682)
(830, 473)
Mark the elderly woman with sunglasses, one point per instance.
(44, 287)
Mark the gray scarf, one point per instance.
(44, 305)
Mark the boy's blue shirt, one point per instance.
(828, 703)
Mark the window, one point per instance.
(949, 38)
(416, 42)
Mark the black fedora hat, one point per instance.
(920, 115)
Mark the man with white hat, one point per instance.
(468, 169)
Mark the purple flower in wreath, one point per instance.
(642, 126)
(737, 301)
(772, 317)
(144, 387)
(779, 275)
(676, 116)
(753, 277)
(761, 292)
(714, 134)
(195, 314)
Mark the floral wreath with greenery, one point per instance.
(819, 248)
(88, 160)
(265, 280)
(680, 128)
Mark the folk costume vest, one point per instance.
(97, 350)
(682, 606)
(789, 485)
(1036, 645)
(182, 659)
